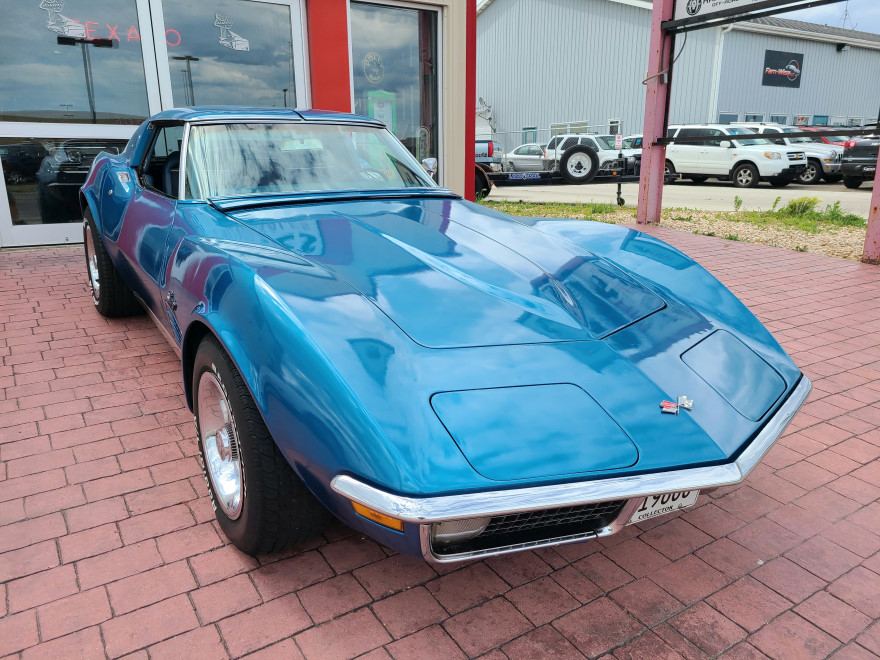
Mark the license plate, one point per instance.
(660, 505)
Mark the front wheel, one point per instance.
(852, 182)
(110, 294)
(260, 503)
(669, 168)
(811, 175)
(745, 176)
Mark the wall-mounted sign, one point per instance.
(782, 69)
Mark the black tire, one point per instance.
(509, 167)
(812, 175)
(579, 164)
(276, 509)
(670, 168)
(779, 183)
(481, 184)
(110, 294)
(745, 176)
(699, 179)
(852, 182)
(833, 178)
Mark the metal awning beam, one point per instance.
(739, 14)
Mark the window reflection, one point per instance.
(394, 66)
(230, 52)
(43, 176)
(43, 81)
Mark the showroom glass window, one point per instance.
(394, 67)
(230, 52)
(44, 81)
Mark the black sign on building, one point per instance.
(782, 69)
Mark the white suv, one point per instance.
(603, 145)
(736, 155)
(823, 160)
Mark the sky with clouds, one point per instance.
(864, 15)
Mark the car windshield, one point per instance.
(747, 142)
(254, 158)
(798, 140)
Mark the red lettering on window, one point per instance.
(176, 33)
(90, 31)
(133, 31)
(113, 34)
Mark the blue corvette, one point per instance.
(450, 380)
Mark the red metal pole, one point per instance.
(871, 251)
(654, 157)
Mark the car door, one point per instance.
(149, 216)
(686, 157)
(715, 159)
(519, 160)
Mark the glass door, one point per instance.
(395, 72)
(76, 78)
(231, 52)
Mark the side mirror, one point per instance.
(430, 165)
(726, 144)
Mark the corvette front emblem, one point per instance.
(669, 407)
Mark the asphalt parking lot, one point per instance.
(108, 544)
(709, 196)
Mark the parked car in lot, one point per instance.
(836, 140)
(823, 160)
(20, 161)
(489, 154)
(452, 381)
(735, 155)
(608, 156)
(860, 161)
(633, 143)
(525, 158)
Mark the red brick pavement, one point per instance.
(108, 545)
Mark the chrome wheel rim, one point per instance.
(810, 173)
(92, 264)
(578, 164)
(220, 445)
(744, 177)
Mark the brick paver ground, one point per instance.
(108, 544)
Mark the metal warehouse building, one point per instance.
(566, 61)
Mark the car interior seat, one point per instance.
(170, 174)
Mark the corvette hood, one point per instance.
(451, 276)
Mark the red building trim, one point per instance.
(329, 65)
(470, 98)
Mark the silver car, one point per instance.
(525, 158)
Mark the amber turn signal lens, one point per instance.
(377, 517)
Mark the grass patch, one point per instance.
(802, 214)
(587, 211)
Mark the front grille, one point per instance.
(534, 527)
(796, 155)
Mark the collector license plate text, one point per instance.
(659, 505)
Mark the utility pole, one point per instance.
(189, 76)
(87, 64)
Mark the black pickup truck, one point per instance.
(859, 161)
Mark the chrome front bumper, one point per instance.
(428, 510)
